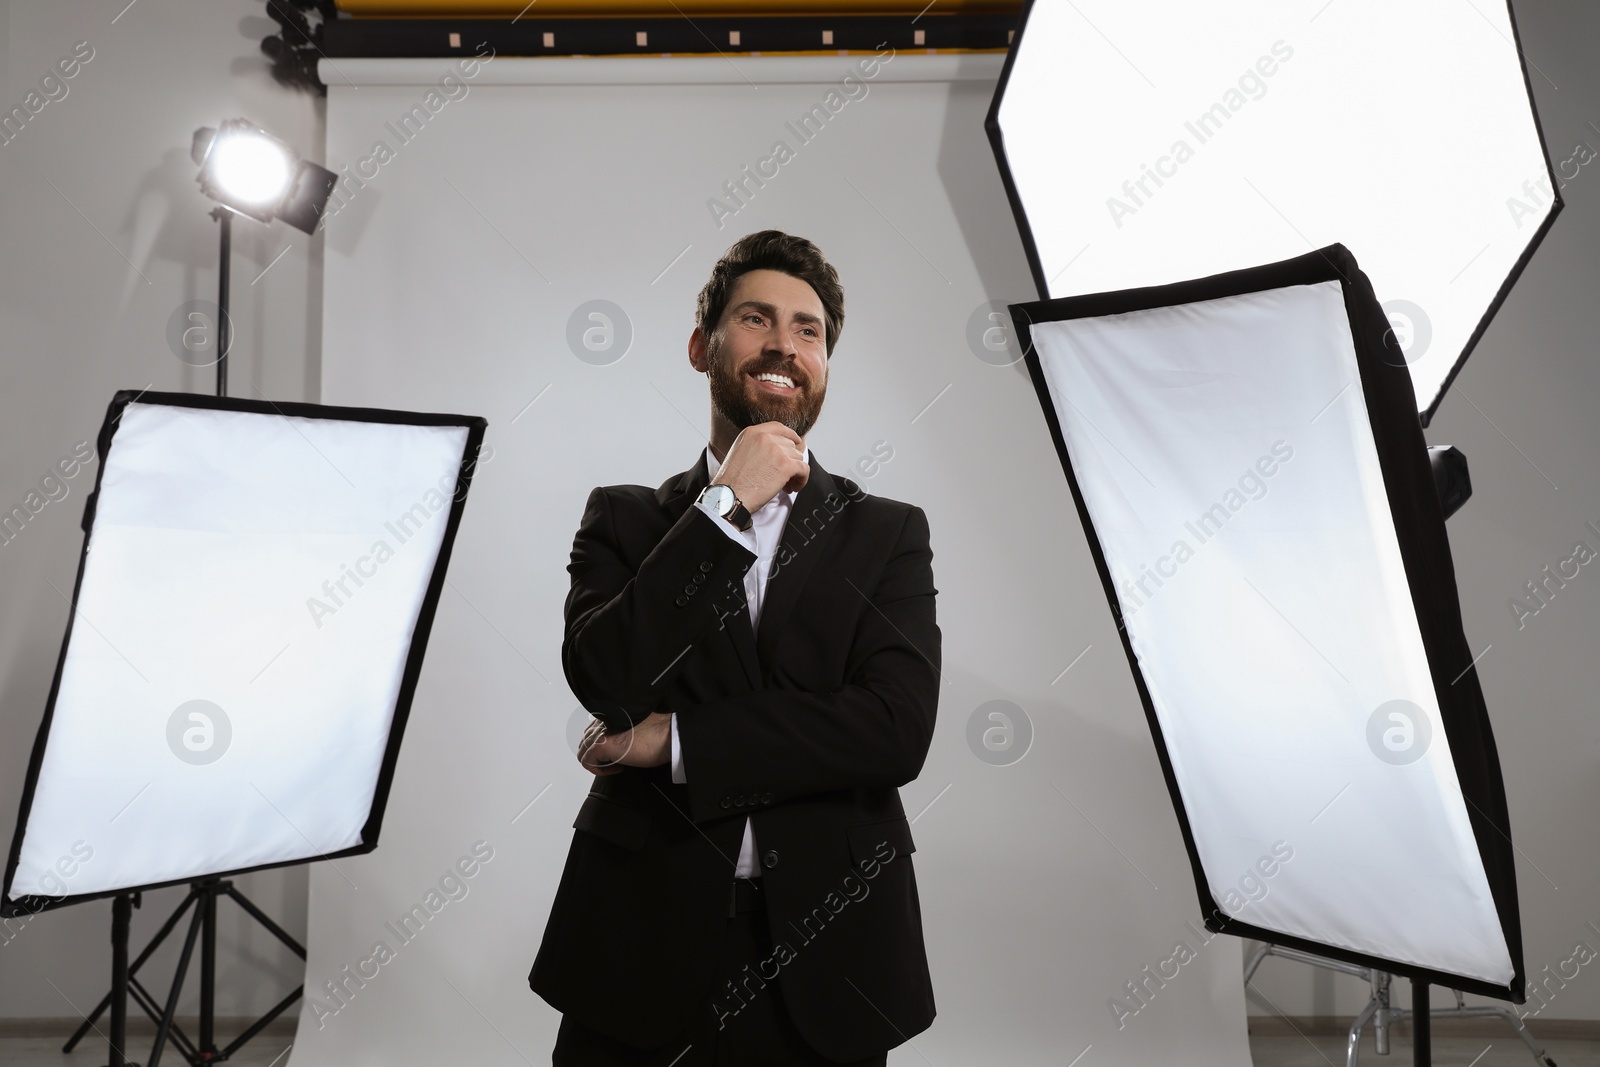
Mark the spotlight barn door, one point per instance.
(1247, 460)
(254, 597)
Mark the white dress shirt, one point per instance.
(762, 538)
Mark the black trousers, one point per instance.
(758, 1034)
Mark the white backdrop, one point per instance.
(1051, 885)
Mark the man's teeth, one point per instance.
(778, 378)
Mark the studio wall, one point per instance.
(461, 273)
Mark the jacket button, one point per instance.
(689, 590)
(705, 566)
(766, 798)
(727, 801)
(769, 858)
(699, 579)
(738, 802)
(681, 601)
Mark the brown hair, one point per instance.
(772, 250)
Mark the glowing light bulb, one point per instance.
(252, 168)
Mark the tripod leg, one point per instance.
(261, 917)
(155, 943)
(1528, 1039)
(1262, 951)
(1352, 1049)
(294, 946)
(177, 988)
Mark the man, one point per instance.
(757, 640)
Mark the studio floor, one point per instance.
(46, 1052)
(1328, 1051)
(1270, 1050)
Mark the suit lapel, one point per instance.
(805, 533)
(677, 496)
(811, 522)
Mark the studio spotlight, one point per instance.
(249, 172)
(246, 169)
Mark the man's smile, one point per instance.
(774, 382)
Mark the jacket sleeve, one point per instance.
(769, 745)
(627, 633)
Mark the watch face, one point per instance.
(719, 497)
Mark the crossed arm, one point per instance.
(624, 628)
(627, 634)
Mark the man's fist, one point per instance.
(762, 461)
(649, 744)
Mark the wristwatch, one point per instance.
(720, 499)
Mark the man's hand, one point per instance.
(762, 460)
(649, 744)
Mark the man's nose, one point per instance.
(781, 342)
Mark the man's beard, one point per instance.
(730, 396)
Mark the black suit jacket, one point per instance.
(806, 727)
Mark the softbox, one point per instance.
(248, 623)
(1144, 144)
(1247, 460)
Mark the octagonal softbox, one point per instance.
(1143, 144)
(255, 593)
(1246, 457)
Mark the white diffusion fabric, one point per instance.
(1249, 131)
(1224, 454)
(250, 591)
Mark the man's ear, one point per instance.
(697, 350)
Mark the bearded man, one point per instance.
(757, 641)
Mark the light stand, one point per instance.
(298, 200)
(203, 894)
(248, 171)
(224, 219)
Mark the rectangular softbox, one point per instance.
(248, 623)
(1247, 460)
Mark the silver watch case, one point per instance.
(720, 498)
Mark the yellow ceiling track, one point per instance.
(666, 8)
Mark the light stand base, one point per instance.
(1382, 1015)
(204, 895)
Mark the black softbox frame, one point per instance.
(1424, 548)
(473, 427)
